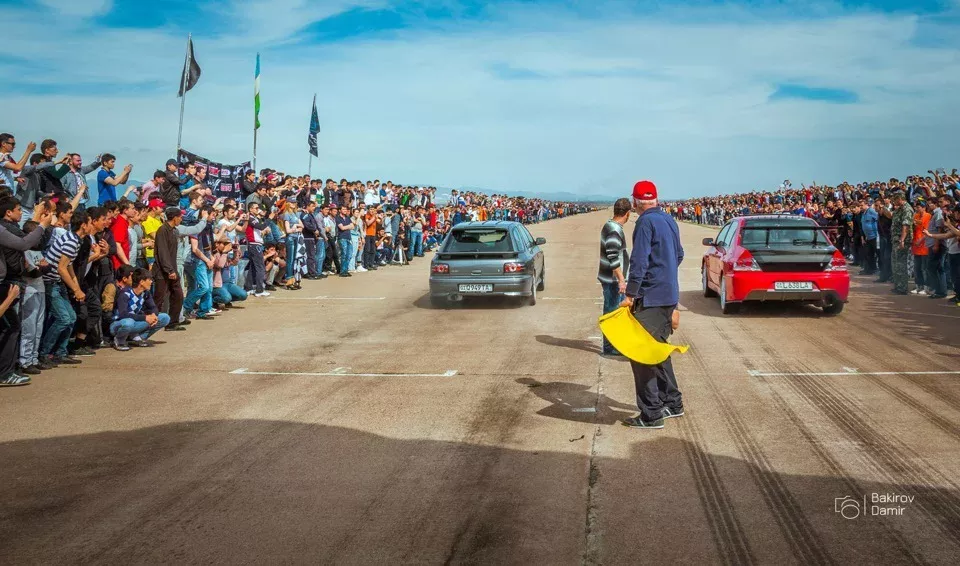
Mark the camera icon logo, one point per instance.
(848, 507)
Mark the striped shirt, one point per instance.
(62, 243)
(613, 252)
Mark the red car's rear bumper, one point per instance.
(759, 286)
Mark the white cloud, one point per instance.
(79, 8)
(684, 104)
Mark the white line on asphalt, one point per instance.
(586, 410)
(757, 373)
(922, 314)
(326, 298)
(335, 373)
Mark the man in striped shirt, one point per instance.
(62, 250)
(613, 263)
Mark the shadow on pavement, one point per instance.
(257, 491)
(472, 303)
(591, 346)
(695, 302)
(577, 402)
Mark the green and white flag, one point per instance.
(256, 97)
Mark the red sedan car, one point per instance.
(774, 258)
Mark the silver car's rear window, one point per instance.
(479, 240)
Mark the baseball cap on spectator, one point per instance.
(171, 162)
(645, 190)
(155, 203)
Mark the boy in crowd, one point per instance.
(224, 290)
(136, 312)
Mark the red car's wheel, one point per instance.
(707, 291)
(727, 307)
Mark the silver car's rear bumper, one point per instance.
(503, 286)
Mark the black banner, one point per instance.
(222, 180)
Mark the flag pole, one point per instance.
(183, 97)
(256, 92)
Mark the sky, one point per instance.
(700, 96)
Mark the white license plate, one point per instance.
(476, 288)
(793, 286)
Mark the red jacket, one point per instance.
(122, 236)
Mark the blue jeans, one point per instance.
(291, 254)
(346, 249)
(60, 320)
(354, 249)
(936, 270)
(611, 302)
(229, 293)
(123, 328)
(202, 292)
(416, 244)
(321, 255)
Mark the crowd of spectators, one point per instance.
(80, 273)
(870, 222)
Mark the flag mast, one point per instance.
(256, 111)
(183, 85)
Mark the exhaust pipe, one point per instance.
(456, 298)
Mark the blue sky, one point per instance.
(555, 95)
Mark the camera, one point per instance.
(848, 507)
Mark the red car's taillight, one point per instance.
(440, 268)
(514, 268)
(837, 262)
(746, 262)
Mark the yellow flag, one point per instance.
(632, 340)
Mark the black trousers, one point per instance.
(172, 290)
(333, 254)
(9, 334)
(258, 270)
(886, 259)
(656, 385)
(89, 314)
(312, 267)
(369, 251)
(870, 255)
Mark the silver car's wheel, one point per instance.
(532, 299)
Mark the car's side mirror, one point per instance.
(709, 242)
(540, 241)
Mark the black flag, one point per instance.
(191, 71)
(314, 129)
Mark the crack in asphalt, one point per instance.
(592, 539)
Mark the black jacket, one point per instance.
(311, 229)
(170, 189)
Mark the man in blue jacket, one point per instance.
(653, 292)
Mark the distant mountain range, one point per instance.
(562, 196)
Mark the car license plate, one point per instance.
(793, 286)
(476, 288)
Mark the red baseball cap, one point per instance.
(156, 203)
(645, 190)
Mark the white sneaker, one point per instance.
(915, 292)
(921, 292)
(361, 269)
(261, 294)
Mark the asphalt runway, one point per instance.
(350, 423)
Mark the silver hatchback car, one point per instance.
(483, 259)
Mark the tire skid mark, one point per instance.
(195, 497)
(945, 395)
(950, 428)
(803, 539)
(727, 532)
(891, 459)
(836, 470)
